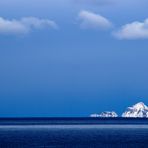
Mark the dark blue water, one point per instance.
(73, 133)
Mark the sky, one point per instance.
(71, 58)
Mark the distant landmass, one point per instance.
(105, 114)
(139, 110)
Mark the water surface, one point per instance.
(73, 133)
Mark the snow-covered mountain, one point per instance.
(108, 114)
(105, 114)
(94, 115)
(139, 110)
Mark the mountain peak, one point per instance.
(139, 106)
(108, 114)
(105, 114)
(137, 110)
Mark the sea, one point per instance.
(73, 133)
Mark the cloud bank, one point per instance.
(134, 30)
(24, 25)
(90, 20)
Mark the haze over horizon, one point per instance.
(72, 57)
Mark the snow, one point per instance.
(108, 114)
(105, 114)
(139, 110)
(94, 115)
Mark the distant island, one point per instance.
(139, 110)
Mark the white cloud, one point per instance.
(134, 30)
(90, 20)
(24, 25)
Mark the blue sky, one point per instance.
(72, 57)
